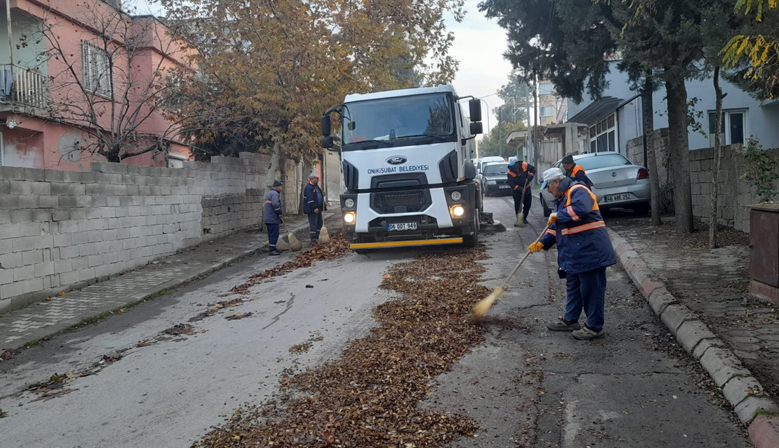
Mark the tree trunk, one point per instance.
(717, 161)
(275, 160)
(651, 156)
(679, 155)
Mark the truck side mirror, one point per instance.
(476, 128)
(474, 107)
(327, 142)
(326, 126)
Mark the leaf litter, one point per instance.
(369, 397)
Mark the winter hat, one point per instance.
(567, 159)
(277, 184)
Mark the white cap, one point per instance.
(552, 174)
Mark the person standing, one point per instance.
(313, 205)
(584, 252)
(520, 175)
(271, 215)
(575, 171)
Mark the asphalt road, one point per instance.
(525, 386)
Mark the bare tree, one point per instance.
(112, 80)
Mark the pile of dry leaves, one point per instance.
(336, 248)
(370, 396)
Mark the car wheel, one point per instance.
(547, 210)
(642, 209)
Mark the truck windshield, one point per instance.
(400, 118)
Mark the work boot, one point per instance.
(274, 252)
(563, 325)
(588, 334)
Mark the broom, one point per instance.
(294, 243)
(521, 214)
(324, 236)
(480, 309)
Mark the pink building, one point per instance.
(73, 70)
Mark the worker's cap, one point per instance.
(567, 159)
(277, 184)
(313, 176)
(552, 174)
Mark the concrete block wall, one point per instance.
(735, 193)
(61, 229)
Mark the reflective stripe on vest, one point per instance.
(576, 218)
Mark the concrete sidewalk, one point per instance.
(701, 296)
(27, 325)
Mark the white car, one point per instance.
(617, 182)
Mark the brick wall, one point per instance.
(59, 229)
(735, 193)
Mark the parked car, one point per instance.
(617, 182)
(485, 160)
(493, 178)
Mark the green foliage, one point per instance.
(762, 170)
(494, 143)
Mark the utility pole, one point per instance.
(535, 118)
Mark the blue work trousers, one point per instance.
(314, 225)
(587, 291)
(273, 235)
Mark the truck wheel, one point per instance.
(362, 251)
(473, 239)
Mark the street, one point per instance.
(162, 373)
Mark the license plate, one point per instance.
(402, 226)
(617, 197)
(503, 186)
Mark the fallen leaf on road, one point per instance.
(237, 316)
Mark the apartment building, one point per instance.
(75, 74)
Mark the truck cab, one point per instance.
(406, 161)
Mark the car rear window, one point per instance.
(496, 169)
(602, 161)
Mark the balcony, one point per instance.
(22, 89)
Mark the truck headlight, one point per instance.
(456, 196)
(492, 182)
(457, 211)
(350, 217)
(349, 203)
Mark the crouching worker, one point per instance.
(583, 252)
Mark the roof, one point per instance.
(400, 92)
(596, 110)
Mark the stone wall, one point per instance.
(60, 229)
(735, 193)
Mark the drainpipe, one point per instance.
(616, 121)
(10, 38)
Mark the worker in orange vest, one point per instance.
(575, 171)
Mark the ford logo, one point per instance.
(397, 160)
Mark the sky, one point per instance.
(478, 45)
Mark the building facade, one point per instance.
(616, 118)
(72, 68)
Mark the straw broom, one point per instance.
(480, 309)
(521, 214)
(294, 242)
(324, 236)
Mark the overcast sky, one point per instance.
(479, 45)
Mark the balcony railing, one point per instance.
(22, 86)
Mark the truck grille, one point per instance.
(409, 201)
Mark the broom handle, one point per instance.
(519, 265)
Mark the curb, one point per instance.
(744, 392)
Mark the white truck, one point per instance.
(406, 159)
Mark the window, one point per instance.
(603, 135)
(96, 65)
(545, 89)
(733, 126)
(546, 111)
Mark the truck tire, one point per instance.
(472, 240)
